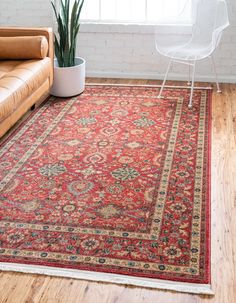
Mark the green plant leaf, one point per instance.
(54, 9)
(68, 28)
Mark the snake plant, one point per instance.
(68, 25)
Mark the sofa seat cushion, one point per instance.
(8, 66)
(18, 80)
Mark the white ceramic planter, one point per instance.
(69, 81)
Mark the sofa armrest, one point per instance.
(21, 31)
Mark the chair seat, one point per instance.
(187, 52)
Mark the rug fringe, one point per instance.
(109, 278)
(148, 85)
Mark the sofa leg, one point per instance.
(32, 107)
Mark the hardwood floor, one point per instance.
(18, 288)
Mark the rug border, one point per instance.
(185, 287)
(210, 88)
(209, 206)
(109, 278)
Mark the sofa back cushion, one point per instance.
(23, 47)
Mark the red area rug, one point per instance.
(113, 181)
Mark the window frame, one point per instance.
(134, 22)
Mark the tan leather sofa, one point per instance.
(25, 77)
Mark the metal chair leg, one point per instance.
(189, 72)
(216, 77)
(164, 81)
(192, 86)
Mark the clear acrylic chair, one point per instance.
(210, 18)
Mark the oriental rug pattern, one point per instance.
(114, 180)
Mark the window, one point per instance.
(137, 11)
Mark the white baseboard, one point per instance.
(153, 76)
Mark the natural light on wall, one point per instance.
(137, 11)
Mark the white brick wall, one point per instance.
(25, 13)
(124, 51)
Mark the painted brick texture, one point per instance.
(125, 51)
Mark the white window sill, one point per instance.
(128, 28)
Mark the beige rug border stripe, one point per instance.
(109, 278)
(148, 85)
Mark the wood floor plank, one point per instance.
(21, 288)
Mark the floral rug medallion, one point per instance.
(112, 181)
